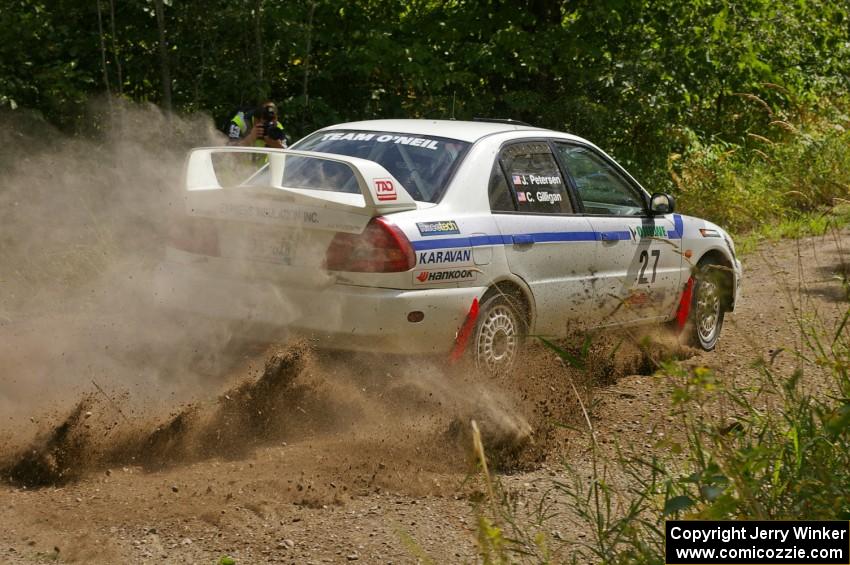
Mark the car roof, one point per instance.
(454, 129)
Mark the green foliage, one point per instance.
(795, 226)
(629, 74)
(803, 167)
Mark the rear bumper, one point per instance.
(337, 316)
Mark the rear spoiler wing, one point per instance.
(382, 193)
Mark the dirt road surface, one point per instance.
(290, 458)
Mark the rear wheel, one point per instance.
(499, 333)
(708, 305)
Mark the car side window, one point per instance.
(534, 178)
(499, 193)
(600, 187)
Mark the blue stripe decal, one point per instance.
(679, 227)
(614, 235)
(484, 240)
(452, 242)
(550, 237)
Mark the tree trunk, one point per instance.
(103, 52)
(307, 63)
(114, 48)
(258, 40)
(163, 57)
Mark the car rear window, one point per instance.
(422, 164)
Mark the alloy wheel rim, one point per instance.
(708, 310)
(497, 342)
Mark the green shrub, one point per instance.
(801, 165)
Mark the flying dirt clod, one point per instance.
(57, 458)
(244, 417)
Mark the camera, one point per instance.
(269, 117)
(271, 130)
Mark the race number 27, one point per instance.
(644, 263)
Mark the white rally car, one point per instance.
(428, 236)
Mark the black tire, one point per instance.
(708, 305)
(499, 333)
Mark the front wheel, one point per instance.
(499, 333)
(708, 305)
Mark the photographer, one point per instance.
(258, 127)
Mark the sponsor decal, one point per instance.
(385, 189)
(651, 231)
(282, 251)
(438, 228)
(445, 276)
(463, 255)
(348, 136)
(422, 142)
(637, 298)
(285, 214)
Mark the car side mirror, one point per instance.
(661, 203)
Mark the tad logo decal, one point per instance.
(385, 189)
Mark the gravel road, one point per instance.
(338, 460)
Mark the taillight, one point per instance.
(381, 248)
(194, 235)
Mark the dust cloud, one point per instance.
(83, 220)
(92, 373)
(378, 411)
(405, 415)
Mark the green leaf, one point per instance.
(575, 362)
(677, 504)
(710, 492)
(839, 420)
(719, 22)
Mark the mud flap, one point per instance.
(685, 305)
(465, 331)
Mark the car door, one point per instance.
(546, 243)
(637, 262)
